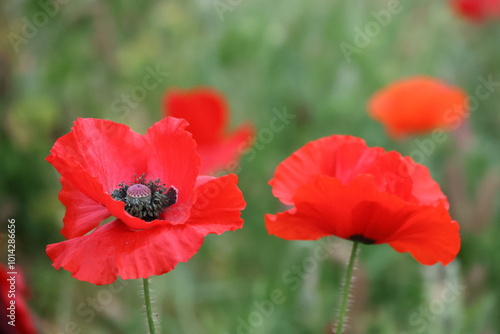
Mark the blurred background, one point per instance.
(60, 60)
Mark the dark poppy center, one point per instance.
(361, 238)
(145, 200)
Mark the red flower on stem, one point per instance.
(418, 105)
(340, 186)
(150, 184)
(477, 10)
(14, 289)
(207, 114)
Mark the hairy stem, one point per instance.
(149, 310)
(347, 287)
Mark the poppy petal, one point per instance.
(292, 225)
(477, 10)
(424, 188)
(23, 322)
(322, 208)
(428, 233)
(97, 155)
(418, 105)
(82, 213)
(359, 211)
(218, 205)
(221, 156)
(206, 112)
(114, 250)
(443, 247)
(403, 177)
(345, 157)
(203, 108)
(172, 159)
(336, 156)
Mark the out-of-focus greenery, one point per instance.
(264, 56)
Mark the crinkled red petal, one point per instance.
(218, 205)
(115, 250)
(326, 207)
(172, 158)
(344, 158)
(97, 155)
(82, 213)
(319, 157)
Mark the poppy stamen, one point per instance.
(145, 200)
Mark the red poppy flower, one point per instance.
(206, 112)
(339, 186)
(150, 184)
(418, 105)
(20, 318)
(477, 10)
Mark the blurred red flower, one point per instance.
(150, 184)
(477, 10)
(23, 323)
(340, 186)
(418, 105)
(207, 114)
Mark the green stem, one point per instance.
(149, 310)
(347, 288)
